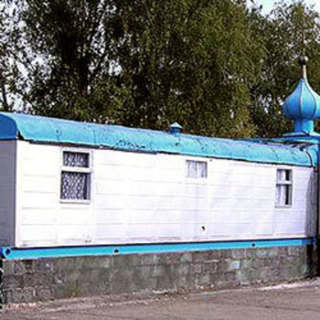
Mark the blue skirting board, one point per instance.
(107, 250)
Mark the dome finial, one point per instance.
(303, 61)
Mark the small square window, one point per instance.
(284, 188)
(75, 159)
(196, 169)
(75, 186)
(75, 176)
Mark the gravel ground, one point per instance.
(299, 300)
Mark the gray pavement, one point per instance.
(294, 301)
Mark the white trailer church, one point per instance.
(65, 184)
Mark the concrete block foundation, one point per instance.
(54, 278)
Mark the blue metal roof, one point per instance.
(50, 130)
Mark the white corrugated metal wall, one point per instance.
(138, 198)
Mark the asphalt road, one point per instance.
(294, 301)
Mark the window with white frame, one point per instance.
(284, 188)
(75, 176)
(196, 169)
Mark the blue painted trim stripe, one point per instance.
(33, 253)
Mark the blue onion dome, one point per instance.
(303, 104)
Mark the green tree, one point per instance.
(187, 61)
(67, 57)
(141, 63)
(215, 66)
(282, 33)
(8, 56)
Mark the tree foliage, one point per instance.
(186, 61)
(283, 32)
(9, 56)
(71, 69)
(216, 66)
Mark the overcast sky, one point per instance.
(267, 4)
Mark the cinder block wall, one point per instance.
(54, 278)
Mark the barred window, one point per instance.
(75, 176)
(284, 188)
(196, 169)
(75, 159)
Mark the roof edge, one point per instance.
(15, 126)
(8, 128)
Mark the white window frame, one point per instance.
(87, 170)
(284, 183)
(196, 179)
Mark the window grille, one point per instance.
(75, 176)
(196, 169)
(284, 188)
(75, 159)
